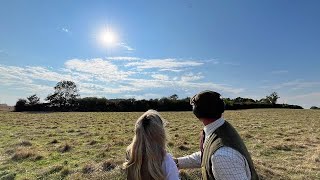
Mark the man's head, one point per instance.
(207, 105)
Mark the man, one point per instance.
(222, 155)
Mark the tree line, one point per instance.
(66, 97)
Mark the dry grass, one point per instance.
(6, 108)
(25, 143)
(285, 144)
(64, 148)
(25, 153)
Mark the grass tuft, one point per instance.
(88, 168)
(184, 148)
(108, 166)
(25, 143)
(7, 175)
(170, 144)
(24, 153)
(54, 141)
(282, 147)
(65, 172)
(65, 148)
(93, 142)
(51, 170)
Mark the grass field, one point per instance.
(285, 144)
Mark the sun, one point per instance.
(108, 37)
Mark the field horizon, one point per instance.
(284, 143)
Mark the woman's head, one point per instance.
(147, 150)
(150, 126)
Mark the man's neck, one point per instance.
(208, 121)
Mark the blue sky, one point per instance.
(238, 48)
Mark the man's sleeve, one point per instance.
(228, 163)
(190, 161)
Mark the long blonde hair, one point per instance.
(147, 150)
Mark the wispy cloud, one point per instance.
(102, 70)
(212, 61)
(92, 89)
(160, 77)
(191, 77)
(124, 58)
(126, 46)
(279, 72)
(231, 63)
(144, 96)
(219, 61)
(305, 100)
(295, 85)
(65, 30)
(169, 64)
(3, 52)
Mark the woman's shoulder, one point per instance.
(168, 160)
(168, 156)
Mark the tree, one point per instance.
(314, 107)
(65, 94)
(33, 99)
(20, 105)
(173, 97)
(272, 98)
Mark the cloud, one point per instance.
(125, 46)
(144, 96)
(295, 85)
(218, 61)
(200, 86)
(3, 52)
(41, 73)
(182, 85)
(212, 61)
(124, 58)
(279, 72)
(304, 100)
(98, 68)
(231, 63)
(17, 80)
(96, 89)
(105, 77)
(169, 64)
(191, 77)
(160, 77)
(136, 77)
(65, 30)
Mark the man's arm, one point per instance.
(228, 163)
(190, 161)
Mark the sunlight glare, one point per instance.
(108, 37)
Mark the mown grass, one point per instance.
(285, 144)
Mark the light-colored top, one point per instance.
(170, 168)
(227, 163)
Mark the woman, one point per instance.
(147, 158)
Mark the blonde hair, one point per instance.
(147, 150)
